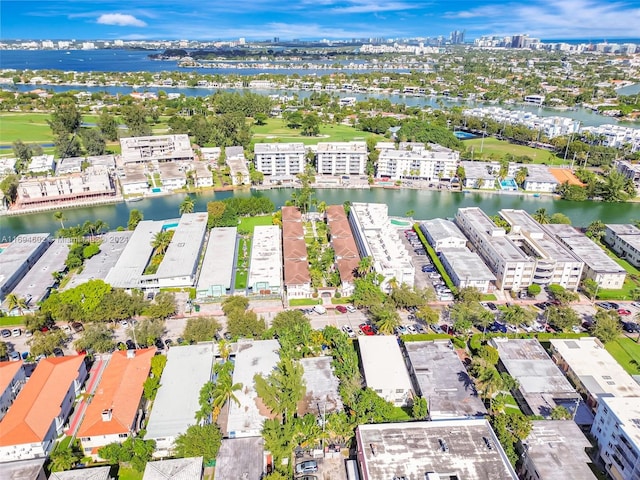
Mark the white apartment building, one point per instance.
(161, 148)
(417, 160)
(480, 174)
(41, 164)
(511, 266)
(616, 136)
(341, 158)
(624, 239)
(554, 264)
(548, 126)
(12, 379)
(133, 179)
(539, 178)
(234, 156)
(442, 233)
(617, 430)
(280, 161)
(598, 266)
(375, 237)
(202, 176)
(631, 171)
(467, 269)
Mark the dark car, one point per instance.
(498, 327)
(77, 327)
(5, 333)
(492, 306)
(631, 327)
(168, 342)
(159, 345)
(57, 352)
(341, 308)
(130, 345)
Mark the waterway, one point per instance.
(425, 203)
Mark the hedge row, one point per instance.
(435, 259)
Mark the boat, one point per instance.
(134, 199)
(536, 195)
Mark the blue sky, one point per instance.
(315, 19)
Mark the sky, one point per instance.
(315, 19)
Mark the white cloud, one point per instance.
(120, 19)
(372, 6)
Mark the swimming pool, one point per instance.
(169, 226)
(156, 190)
(509, 184)
(464, 135)
(400, 223)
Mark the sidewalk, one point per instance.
(94, 377)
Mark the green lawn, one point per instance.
(247, 224)
(495, 149)
(627, 353)
(301, 302)
(275, 130)
(28, 127)
(242, 270)
(488, 297)
(630, 284)
(401, 415)
(11, 321)
(127, 473)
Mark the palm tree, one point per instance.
(161, 241)
(13, 301)
(364, 266)
(59, 216)
(490, 382)
(224, 393)
(186, 206)
(224, 348)
(541, 216)
(521, 175)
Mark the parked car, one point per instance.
(624, 312)
(14, 356)
(436, 328)
(6, 333)
(498, 327)
(614, 305)
(366, 329)
(492, 306)
(604, 305)
(631, 327)
(351, 309)
(16, 332)
(448, 329)
(400, 330)
(420, 328)
(526, 328)
(308, 466)
(57, 352)
(635, 304)
(349, 331)
(412, 330)
(341, 308)
(130, 345)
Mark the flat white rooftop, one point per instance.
(258, 357)
(556, 448)
(264, 148)
(467, 265)
(442, 378)
(597, 370)
(17, 253)
(181, 258)
(627, 410)
(413, 449)
(383, 364)
(35, 285)
(127, 271)
(217, 266)
(322, 394)
(266, 257)
(342, 147)
(188, 369)
(584, 248)
(441, 229)
(98, 266)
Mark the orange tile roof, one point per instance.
(336, 212)
(347, 267)
(296, 272)
(340, 229)
(119, 390)
(292, 230)
(8, 372)
(291, 214)
(564, 175)
(38, 403)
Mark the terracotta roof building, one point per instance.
(113, 412)
(344, 246)
(297, 280)
(11, 380)
(34, 421)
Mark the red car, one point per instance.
(624, 312)
(366, 329)
(341, 309)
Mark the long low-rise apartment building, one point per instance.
(188, 368)
(234, 156)
(297, 279)
(19, 257)
(376, 238)
(467, 269)
(416, 161)
(344, 247)
(216, 272)
(593, 370)
(630, 170)
(95, 183)
(624, 239)
(555, 264)
(541, 385)
(37, 416)
(265, 268)
(440, 377)
(442, 233)
(598, 266)
(512, 267)
(279, 161)
(38, 282)
(12, 378)
(341, 158)
(161, 148)
(617, 430)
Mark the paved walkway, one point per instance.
(94, 377)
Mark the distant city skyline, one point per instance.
(316, 19)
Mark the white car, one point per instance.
(412, 330)
(538, 327)
(124, 323)
(16, 332)
(351, 309)
(349, 331)
(526, 328)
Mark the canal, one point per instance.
(426, 204)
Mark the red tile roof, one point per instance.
(119, 390)
(292, 230)
(335, 212)
(290, 214)
(343, 243)
(38, 403)
(8, 372)
(296, 272)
